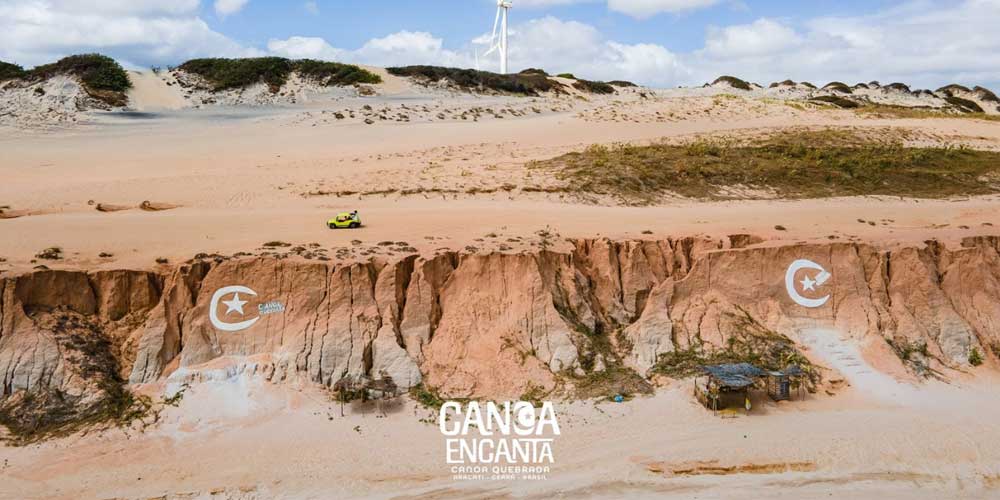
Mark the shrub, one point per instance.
(224, 74)
(964, 105)
(733, 82)
(840, 102)
(901, 87)
(335, 74)
(593, 87)
(986, 94)
(808, 85)
(567, 75)
(838, 87)
(95, 71)
(975, 358)
(948, 89)
(524, 84)
(534, 71)
(10, 71)
(786, 83)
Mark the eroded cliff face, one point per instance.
(492, 325)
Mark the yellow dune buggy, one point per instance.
(346, 220)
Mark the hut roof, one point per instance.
(737, 375)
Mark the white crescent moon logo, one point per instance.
(213, 311)
(808, 283)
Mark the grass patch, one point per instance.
(531, 84)
(793, 164)
(428, 397)
(748, 341)
(224, 74)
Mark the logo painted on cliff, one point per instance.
(234, 307)
(498, 441)
(810, 283)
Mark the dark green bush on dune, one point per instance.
(333, 73)
(97, 72)
(594, 87)
(224, 74)
(10, 71)
(733, 82)
(521, 83)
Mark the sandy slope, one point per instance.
(248, 176)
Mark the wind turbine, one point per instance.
(499, 43)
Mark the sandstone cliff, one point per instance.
(494, 325)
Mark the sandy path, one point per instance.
(241, 177)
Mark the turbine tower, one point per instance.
(499, 43)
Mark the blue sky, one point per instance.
(352, 23)
(924, 43)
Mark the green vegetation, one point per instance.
(569, 76)
(747, 341)
(33, 416)
(792, 164)
(622, 83)
(838, 101)
(900, 87)
(335, 74)
(225, 74)
(986, 94)
(470, 79)
(615, 379)
(10, 71)
(888, 111)
(964, 105)
(948, 89)
(97, 72)
(786, 83)
(838, 87)
(733, 82)
(428, 397)
(975, 358)
(534, 71)
(593, 87)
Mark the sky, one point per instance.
(660, 43)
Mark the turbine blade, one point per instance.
(496, 23)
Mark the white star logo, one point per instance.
(235, 305)
(808, 284)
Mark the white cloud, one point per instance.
(229, 7)
(143, 32)
(763, 36)
(642, 9)
(301, 47)
(920, 43)
(549, 43)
